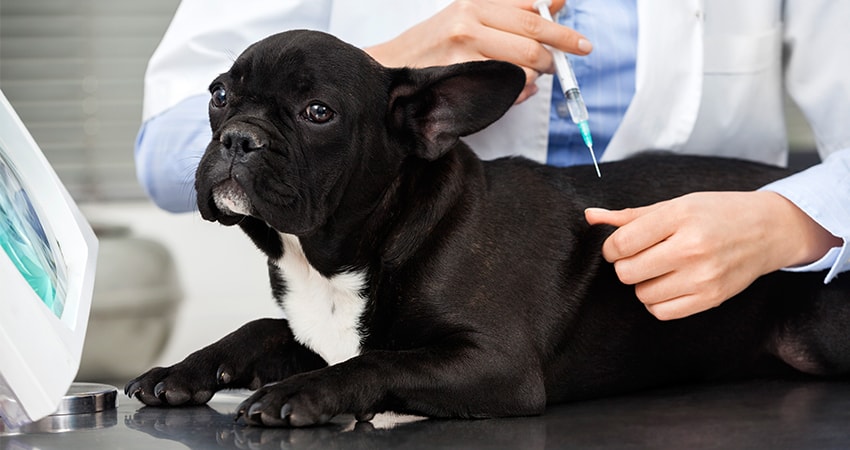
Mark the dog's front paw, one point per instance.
(302, 400)
(175, 386)
(191, 382)
(259, 352)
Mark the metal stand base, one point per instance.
(85, 406)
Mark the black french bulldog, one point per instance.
(417, 278)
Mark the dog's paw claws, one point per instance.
(159, 390)
(285, 411)
(247, 411)
(176, 397)
(255, 412)
(132, 389)
(223, 376)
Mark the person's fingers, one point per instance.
(677, 308)
(507, 33)
(640, 228)
(554, 6)
(649, 264)
(530, 88)
(472, 30)
(473, 41)
(597, 216)
(666, 287)
(521, 18)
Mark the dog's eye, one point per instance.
(319, 113)
(219, 97)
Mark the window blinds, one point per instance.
(73, 70)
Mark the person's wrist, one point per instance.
(381, 54)
(806, 240)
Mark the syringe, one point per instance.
(575, 103)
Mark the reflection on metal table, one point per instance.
(763, 414)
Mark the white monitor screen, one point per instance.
(25, 241)
(47, 266)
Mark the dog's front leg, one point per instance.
(432, 382)
(259, 352)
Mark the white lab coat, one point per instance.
(709, 80)
(709, 75)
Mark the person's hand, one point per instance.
(694, 252)
(470, 30)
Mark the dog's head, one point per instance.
(303, 123)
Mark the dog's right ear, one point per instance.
(431, 108)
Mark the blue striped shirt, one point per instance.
(606, 77)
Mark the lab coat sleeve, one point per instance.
(823, 192)
(168, 149)
(816, 78)
(202, 41)
(206, 36)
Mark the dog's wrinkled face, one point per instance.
(303, 123)
(286, 121)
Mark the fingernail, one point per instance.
(585, 46)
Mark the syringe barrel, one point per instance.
(575, 105)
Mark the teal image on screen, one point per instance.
(25, 242)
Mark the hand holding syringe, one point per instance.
(567, 78)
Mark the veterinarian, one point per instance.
(689, 76)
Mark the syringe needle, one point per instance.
(595, 164)
(567, 78)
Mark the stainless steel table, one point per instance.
(753, 414)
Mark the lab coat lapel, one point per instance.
(668, 78)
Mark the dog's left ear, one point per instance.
(432, 108)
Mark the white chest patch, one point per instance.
(323, 313)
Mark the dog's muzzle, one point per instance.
(230, 198)
(239, 139)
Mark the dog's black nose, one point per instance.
(241, 140)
